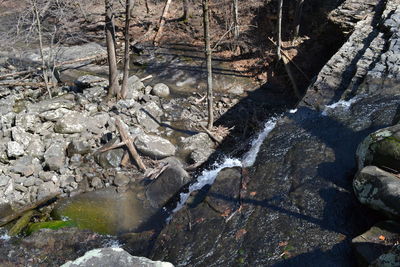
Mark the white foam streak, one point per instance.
(343, 104)
(250, 157)
(5, 237)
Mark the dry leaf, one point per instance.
(253, 193)
(381, 237)
(240, 233)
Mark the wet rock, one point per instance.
(149, 116)
(54, 156)
(390, 258)
(381, 148)
(154, 146)
(378, 189)
(121, 179)
(167, 184)
(160, 90)
(77, 147)
(224, 192)
(378, 240)
(87, 81)
(113, 257)
(15, 149)
(73, 122)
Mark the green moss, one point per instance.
(54, 225)
(21, 223)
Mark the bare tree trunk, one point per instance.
(124, 87)
(162, 22)
(206, 22)
(44, 67)
(113, 88)
(297, 19)
(146, 2)
(235, 18)
(185, 10)
(278, 52)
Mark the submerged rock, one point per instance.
(376, 241)
(113, 257)
(378, 189)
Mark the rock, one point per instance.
(378, 189)
(27, 121)
(388, 259)
(161, 90)
(378, 240)
(87, 81)
(149, 116)
(54, 115)
(4, 180)
(199, 146)
(224, 193)
(14, 149)
(47, 189)
(23, 166)
(113, 257)
(65, 101)
(135, 86)
(77, 147)
(55, 157)
(121, 179)
(73, 122)
(35, 147)
(96, 183)
(167, 184)
(381, 148)
(111, 158)
(236, 90)
(154, 146)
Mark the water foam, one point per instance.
(343, 104)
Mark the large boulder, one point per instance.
(167, 184)
(154, 146)
(381, 148)
(378, 189)
(113, 257)
(376, 241)
(149, 116)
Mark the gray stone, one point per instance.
(161, 90)
(73, 122)
(30, 181)
(135, 87)
(111, 158)
(378, 240)
(47, 176)
(154, 146)
(113, 257)
(236, 90)
(46, 189)
(65, 101)
(167, 184)
(378, 189)
(35, 147)
(77, 147)
(55, 156)
(14, 149)
(149, 116)
(96, 183)
(197, 141)
(21, 136)
(66, 180)
(95, 93)
(4, 180)
(27, 121)
(121, 179)
(54, 115)
(87, 81)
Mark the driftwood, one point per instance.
(33, 84)
(215, 138)
(128, 141)
(19, 213)
(287, 57)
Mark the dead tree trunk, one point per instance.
(162, 22)
(113, 88)
(185, 16)
(44, 66)
(297, 18)
(279, 37)
(146, 2)
(235, 19)
(124, 87)
(206, 22)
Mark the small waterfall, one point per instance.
(207, 177)
(343, 104)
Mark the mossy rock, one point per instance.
(54, 225)
(21, 223)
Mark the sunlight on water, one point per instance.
(343, 104)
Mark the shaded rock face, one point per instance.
(378, 189)
(376, 241)
(381, 149)
(298, 206)
(390, 258)
(113, 257)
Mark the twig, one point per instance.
(128, 141)
(146, 78)
(107, 148)
(216, 139)
(287, 56)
